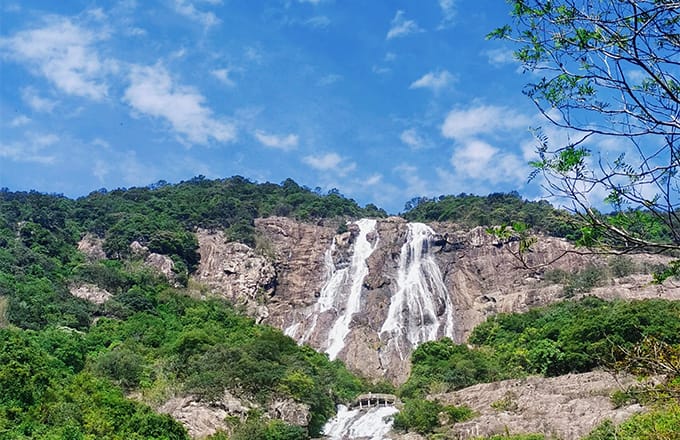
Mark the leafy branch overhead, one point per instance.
(607, 74)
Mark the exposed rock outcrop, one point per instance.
(235, 271)
(90, 292)
(284, 288)
(92, 246)
(566, 407)
(202, 419)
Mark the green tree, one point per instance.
(607, 70)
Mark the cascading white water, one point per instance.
(341, 292)
(356, 272)
(372, 424)
(421, 295)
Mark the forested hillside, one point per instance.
(73, 369)
(495, 209)
(67, 364)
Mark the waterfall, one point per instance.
(356, 272)
(341, 293)
(421, 296)
(372, 424)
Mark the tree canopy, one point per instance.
(607, 72)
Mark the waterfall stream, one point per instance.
(421, 296)
(356, 272)
(372, 424)
(420, 307)
(340, 293)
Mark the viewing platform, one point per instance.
(372, 400)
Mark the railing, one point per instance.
(371, 400)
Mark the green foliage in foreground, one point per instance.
(661, 423)
(423, 416)
(42, 397)
(173, 343)
(205, 347)
(154, 341)
(558, 339)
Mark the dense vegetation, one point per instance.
(66, 365)
(155, 341)
(65, 374)
(495, 209)
(559, 339)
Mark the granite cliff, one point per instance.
(370, 294)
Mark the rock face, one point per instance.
(368, 296)
(202, 419)
(92, 246)
(566, 407)
(235, 272)
(90, 292)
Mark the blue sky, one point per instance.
(383, 100)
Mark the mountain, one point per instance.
(172, 294)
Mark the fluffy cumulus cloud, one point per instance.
(282, 142)
(477, 131)
(400, 26)
(223, 76)
(473, 158)
(435, 81)
(500, 57)
(330, 162)
(36, 102)
(35, 148)
(448, 8)
(483, 119)
(188, 9)
(63, 52)
(20, 120)
(153, 92)
(411, 138)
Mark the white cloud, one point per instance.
(329, 79)
(62, 52)
(318, 22)
(30, 149)
(253, 54)
(330, 162)
(415, 185)
(188, 9)
(400, 26)
(478, 160)
(373, 180)
(473, 158)
(223, 76)
(448, 8)
(282, 142)
(19, 121)
(484, 119)
(500, 57)
(30, 96)
(134, 31)
(436, 81)
(411, 138)
(101, 169)
(152, 92)
(379, 70)
(101, 144)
